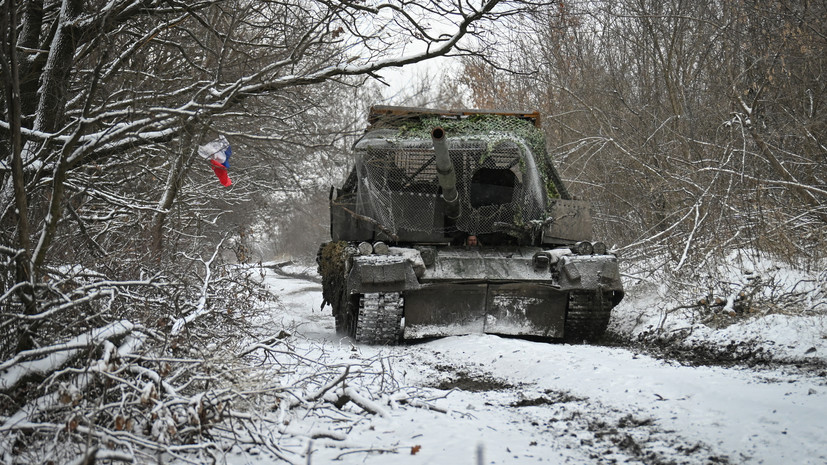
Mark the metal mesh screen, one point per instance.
(498, 179)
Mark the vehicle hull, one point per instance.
(516, 309)
(462, 290)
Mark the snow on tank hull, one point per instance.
(421, 292)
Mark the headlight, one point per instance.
(541, 260)
(583, 248)
(599, 248)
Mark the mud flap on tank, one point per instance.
(508, 309)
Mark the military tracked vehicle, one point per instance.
(457, 222)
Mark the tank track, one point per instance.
(379, 320)
(587, 316)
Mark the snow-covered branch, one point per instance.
(12, 371)
(201, 307)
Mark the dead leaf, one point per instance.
(415, 449)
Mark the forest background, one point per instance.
(696, 128)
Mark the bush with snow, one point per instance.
(750, 307)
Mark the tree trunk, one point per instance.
(173, 184)
(23, 270)
(58, 70)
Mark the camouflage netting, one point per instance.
(331, 260)
(501, 170)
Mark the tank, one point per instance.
(456, 221)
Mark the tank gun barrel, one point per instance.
(446, 175)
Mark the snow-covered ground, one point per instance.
(756, 309)
(485, 399)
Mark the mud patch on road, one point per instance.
(472, 382)
(617, 437)
(469, 377)
(609, 435)
(548, 398)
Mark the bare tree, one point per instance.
(108, 214)
(127, 91)
(695, 126)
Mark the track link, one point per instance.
(587, 316)
(380, 318)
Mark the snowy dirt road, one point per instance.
(487, 399)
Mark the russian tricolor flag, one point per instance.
(218, 152)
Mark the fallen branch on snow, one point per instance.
(14, 370)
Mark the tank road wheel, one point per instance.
(379, 318)
(587, 317)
